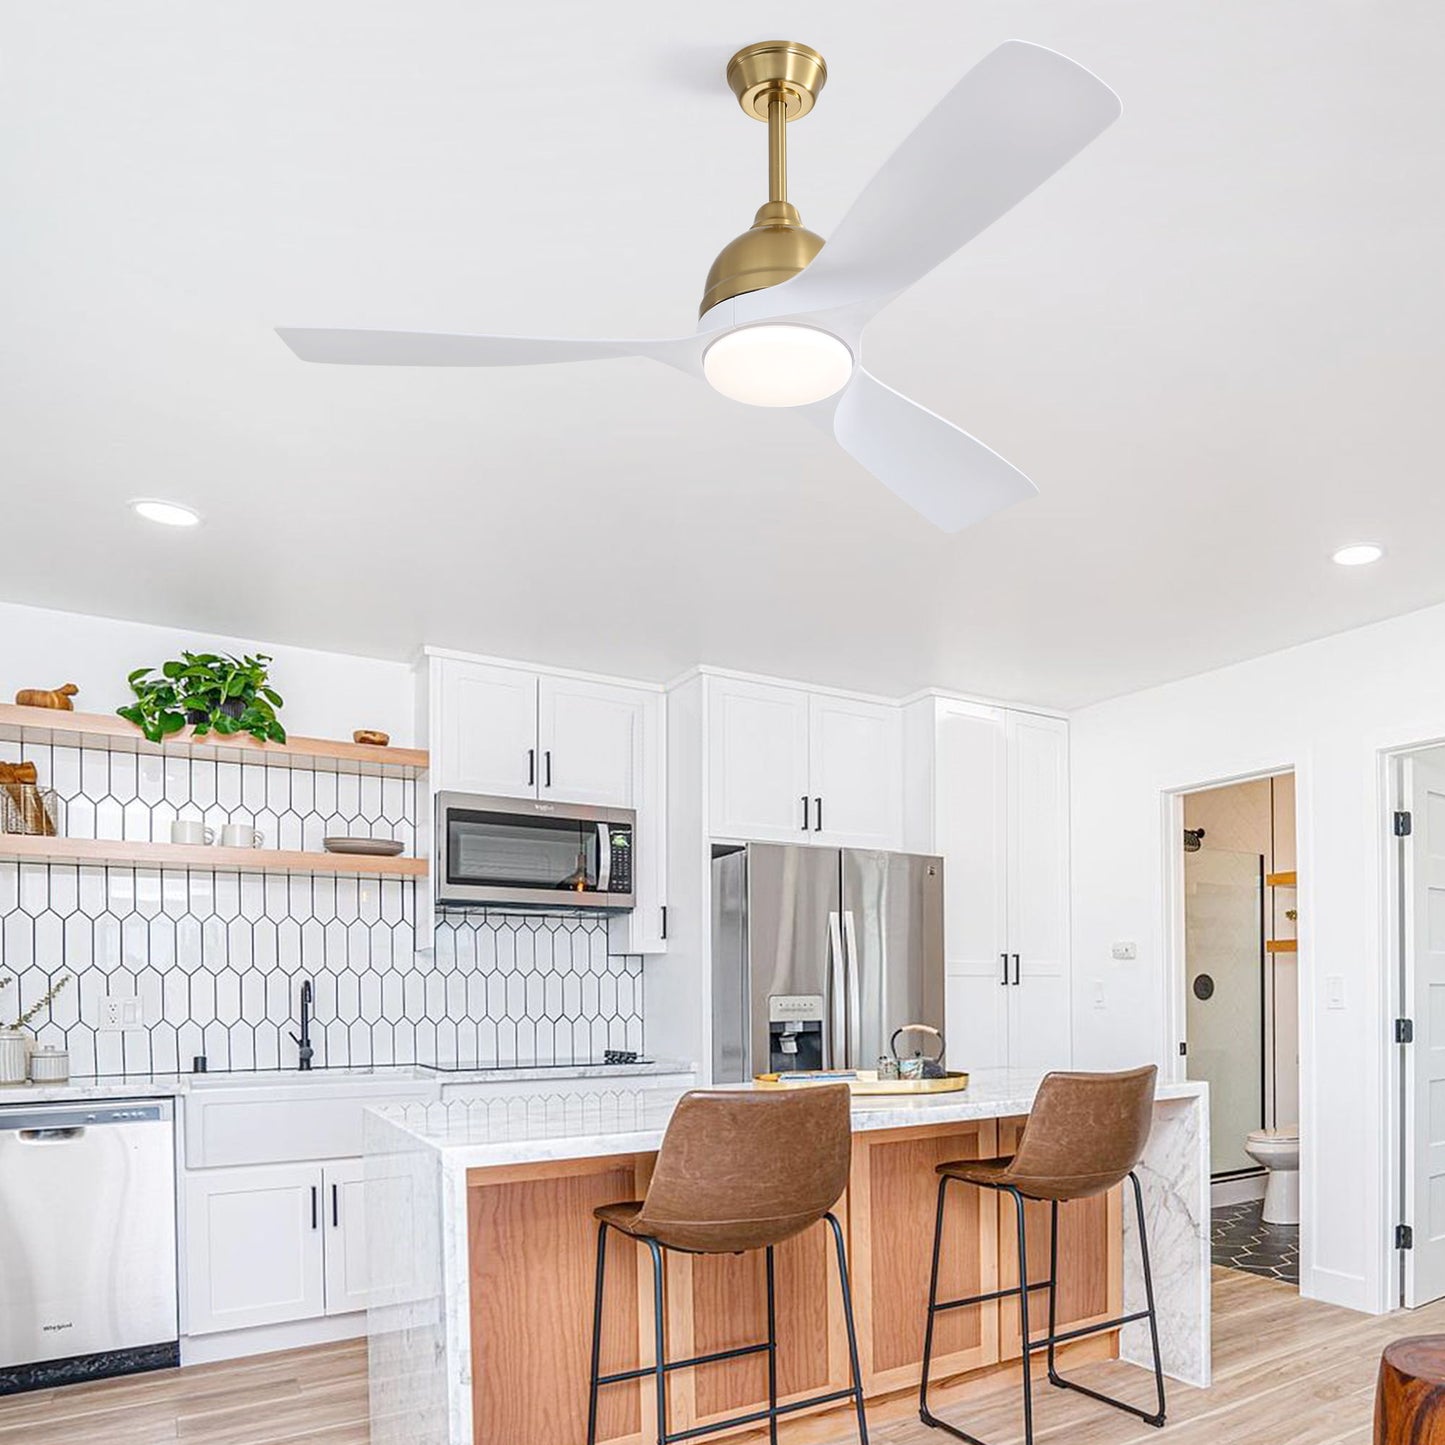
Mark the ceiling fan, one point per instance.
(783, 314)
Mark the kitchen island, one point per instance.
(481, 1242)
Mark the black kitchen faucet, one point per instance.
(303, 1040)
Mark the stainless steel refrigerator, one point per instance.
(819, 954)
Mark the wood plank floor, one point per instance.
(1286, 1370)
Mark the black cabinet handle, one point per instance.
(1003, 982)
(314, 1203)
(818, 808)
(531, 767)
(335, 1206)
(1016, 971)
(547, 762)
(664, 920)
(805, 812)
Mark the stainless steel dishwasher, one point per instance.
(87, 1241)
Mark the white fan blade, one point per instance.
(934, 466)
(1017, 117)
(427, 348)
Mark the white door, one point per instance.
(855, 768)
(589, 740)
(253, 1246)
(486, 728)
(343, 1198)
(1425, 988)
(1040, 1024)
(758, 762)
(970, 831)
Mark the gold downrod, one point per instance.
(777, 147)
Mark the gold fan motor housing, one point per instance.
(777, 245)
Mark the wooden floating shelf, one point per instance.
(118, 853)
(47, 727)
(1281, 880)
(1282, 945)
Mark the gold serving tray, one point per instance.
(865, 1081)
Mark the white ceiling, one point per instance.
(1214, 341)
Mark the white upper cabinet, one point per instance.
(1038, 875)
(855, 767)
(589, 741)
(484, 729)
(989, 791)
(791, 766)
(758, 762)
(519, 732)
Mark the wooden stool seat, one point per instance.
(1410, 1393)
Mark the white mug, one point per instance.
(241, 835)
(185, 831)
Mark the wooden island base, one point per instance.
(532, 1242)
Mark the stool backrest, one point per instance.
(1084, 1133)
(744, 1170)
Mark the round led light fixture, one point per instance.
(777, 364)
(168, 514)
(1358, 554)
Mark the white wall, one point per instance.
(328, 694)
(1326, 709)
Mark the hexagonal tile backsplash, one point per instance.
(217, 959)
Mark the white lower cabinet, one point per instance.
(348, 1282)
(273, 1243)
(253, 1247)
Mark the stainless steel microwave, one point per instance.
(525, 853)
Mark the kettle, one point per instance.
(919, 1066)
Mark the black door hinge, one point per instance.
(1404, 1031)
(1402, 825)
(1183, 1048)
(1404, 1237)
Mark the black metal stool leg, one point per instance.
(772, 1352)
(1149, 1299)
(924, 1413)
(1025, 1350)
(659, 1341)
(1053, 1286)
(856, 1371)
(596, 1335)
(1156, 1417)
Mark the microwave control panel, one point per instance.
(620, 876)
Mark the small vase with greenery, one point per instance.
(209, 691)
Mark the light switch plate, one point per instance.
(1334, 991)
(1125, 952)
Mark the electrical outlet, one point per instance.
(1125, 952)
(120, 1011)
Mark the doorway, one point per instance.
(1241, 1014)
(1418, 828)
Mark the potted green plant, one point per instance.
(209, 691)
(15, 1041)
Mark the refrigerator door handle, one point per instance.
(837, 1020)
(855, 992)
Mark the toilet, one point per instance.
(1278, 1151)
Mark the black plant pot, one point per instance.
(197, 715)
(233, 707)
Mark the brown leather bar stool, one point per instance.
(736, 1172)
(1084, 1135)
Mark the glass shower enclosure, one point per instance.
(1224, 934)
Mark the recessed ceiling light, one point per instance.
(1358, 554)
(168, 514)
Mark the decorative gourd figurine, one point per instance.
(57, 698)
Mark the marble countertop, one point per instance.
(136, 1086)
(480, 1132)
